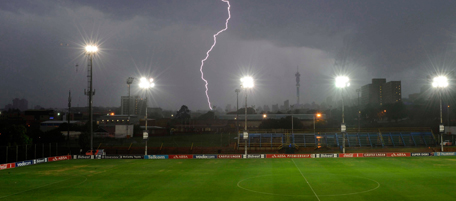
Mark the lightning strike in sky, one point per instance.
(207, 53)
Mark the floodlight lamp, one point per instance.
(264, 115)
(91, 49)
(145, 84)
(247, 82)
(440, 82)
(342, 82)
(318, 115)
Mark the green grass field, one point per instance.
(415, 178)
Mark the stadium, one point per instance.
(302, 171)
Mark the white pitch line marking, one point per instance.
(306, 180)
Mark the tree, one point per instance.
(207, 116)
(15, 135)
(183, 114)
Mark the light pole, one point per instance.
(246, 83)
(91, 50)
(129, 81)
(292, 124)
(341, 83)
(318, 115)
(145, 84)
(237, 108)
(359, 112)
(440, 82)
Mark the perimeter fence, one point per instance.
(259, 141)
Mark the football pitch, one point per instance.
(414, 178)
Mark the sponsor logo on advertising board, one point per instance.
(398, 154)
(421, 154)
(7, 166)
(253, 156)
(83, 157)
(288, 156)
(58, 158)
(205, 156)
(40, 160)
(132, 157)
(24, 163)
(374, 154)
(351, 155)
(110, 157)
(325, 155)
(156, 157)
(445, 153)
(180, 156)
(229, 156)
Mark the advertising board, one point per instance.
(422, 154)
(398, 154)
(131, 157)
(325, 155)
(374, 154)
(82, 157)
(288, 156)
(445, 153)
(180, 156)
(7, 166)
(204, 156)
(229, 156)
(253, 156)
(40, 160)
(156, 157)
(351, 155)
(59, 158)
(24, 163)
(110, 157)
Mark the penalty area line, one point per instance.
(306, 180)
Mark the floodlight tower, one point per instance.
(237, 108)
(440, 82)
(145, 84)
(129, 81)
(246, 83)
(91, 50)
(341, 83)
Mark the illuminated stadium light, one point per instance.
(342, 82)
(440, 82)
(247, 82)
(145, 84)
(91, 49)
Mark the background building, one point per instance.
(392, 92)
(380, 92)
(134, 105)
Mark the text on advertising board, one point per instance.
(7, 166)
(229, 156)
(180, 156)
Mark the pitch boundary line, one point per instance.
(306, 180)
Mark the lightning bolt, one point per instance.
(207, 53)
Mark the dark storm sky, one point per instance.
(41, 42)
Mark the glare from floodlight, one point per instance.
(247, 82)
(440, 82)
(145, 84)
(318, 115)
(91, 49)
(342, 82)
